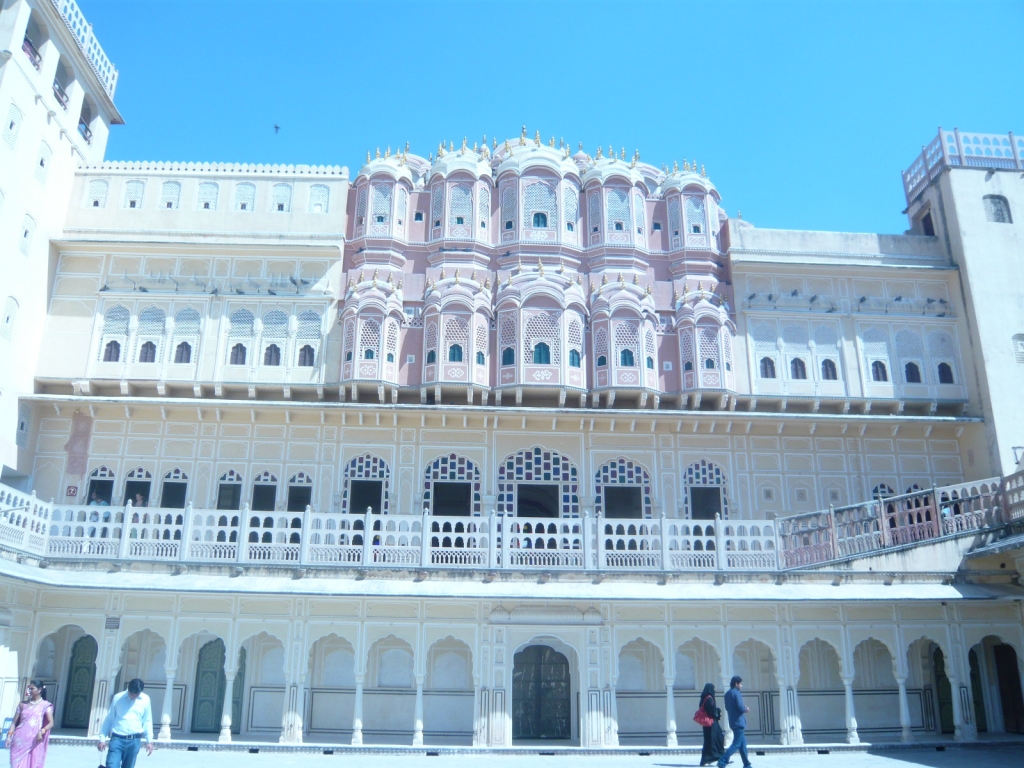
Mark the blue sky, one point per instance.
(804, 113)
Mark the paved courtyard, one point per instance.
(953, 757)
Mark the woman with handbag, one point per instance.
(707, 716)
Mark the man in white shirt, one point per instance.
(129, 721)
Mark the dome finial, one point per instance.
(552, 142)
(407, 147)
(440, 149)
(622, 154)
(378, 153)
(675, 166)
(604, 279)
(451, 145)
(580, 147)
(636, 156)
(442, 273)
(367, 156)
(494, 142)
(522, 137)
(611, 152)
(598, 152)
(622, 280)
(540, 267)
(536, 139)
(636, 279)
(457, 275)
(703, 173)
(387, 153)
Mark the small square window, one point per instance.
(618, 226)
(95, 203)
(508, 225)
(280, 206)
(769, 494)
(206, 206)
(801, 494)
(833, 495)
(170, 204)
(380, 219)
(243, 206)
(410, 359)
(666, 365)
(657, 226)
(460, 220)
(418, 216)
(131, 203)
(437, 222)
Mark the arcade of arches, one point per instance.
(460, 671)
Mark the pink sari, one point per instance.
(26, 752)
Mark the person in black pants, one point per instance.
(714, 736)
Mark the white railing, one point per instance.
(82, 30)
(74, 532)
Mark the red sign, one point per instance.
(72, 490)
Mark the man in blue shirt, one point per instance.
(129, 720)
(737, 721)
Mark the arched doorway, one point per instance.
(541, 694)
(211, 684)
(81, 676)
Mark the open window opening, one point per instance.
(537, 500)
(623, 502)
(229, 495)
(705, 503)
(137, 492)
(264, 497)
(299, 497)
(452, 499)
(366, 493)
(172, 495)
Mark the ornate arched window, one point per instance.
(767, 368)
(706, 492)
(541, 354)
(623, 488)
(452, 480)
(365, 482)
(574, 358)
(536, 482)
(912, 373)
(797, 368)
(829, 372)
(272, 355)
(455, 353)
(508, 356)
(539, 207)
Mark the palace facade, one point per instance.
(509, 444)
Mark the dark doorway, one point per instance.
(299, 497)
(623, 501)
(1009, 688)
(366, 493)
(943, 692)
(541, 694)
(173, 495)
(133, 487)
(81, 676)
(705, 503)
(210, 685)
(979, 697)
(104, 489)
(229, 496)
(264, 497)
(537, 501)
(452, 499)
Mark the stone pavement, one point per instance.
(62, 756)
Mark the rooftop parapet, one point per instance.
(956, 149)
(82, 30)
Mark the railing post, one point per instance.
(936, 513)
(882, 523)
(492, 540)
(664, 543)
(368, 536)
(425, 542)
(602, 561)
(833, 531)
(304, 540)
(186, 534)
(589, 540)
(242, 554)
(503, 551)
(722, 562)
(122, 550)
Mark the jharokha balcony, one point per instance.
(48, 533)
(32, 52)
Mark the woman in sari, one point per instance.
(714, 736)
(30, 732)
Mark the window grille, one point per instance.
(686, 345)
(826, 336)
(245, 197)
(694, 214)
(309, 325)
(794, 337)
(727, 344)
(369, 337)
(381, 206)
(242, 323)
(627, 338)
(12, 126)
(281, 197)
(24, 425)
(649, 342)
(456, 331)
(909, 347)
(540, 198)
(708, 341)
(43, 163)
(451, 468)
(538, 465)
(208, 193)
(483, 206)
(170, 194)
(705, 473)
(575, 335)
(98, 193)
(601, 341)
(876, 346)
(392, 340)
(460, 205)
(639, 213)
(436, 204)
(594, 211)
(365, 467)
(28, 231)
(115, 321)
(401, 210)
(997, 209)
(618, 209)
(10, 315)
(275, 325)
(481, 338)
(431, 336)
(350, 338)
(133, 192)
(507, 330)
(571, 207)
(673, 216)
(319, 196)
(542, 328)
(622, 471)
(186, 322)
(1018, 348)
(508, 206)
(151, 322)
(712, 215)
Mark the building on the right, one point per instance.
(967, 190)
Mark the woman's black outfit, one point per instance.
(714, 736)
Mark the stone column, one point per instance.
(615, 714)
(229, 695)
(960, 733)
(167, 708)
(905, 735)
(357, 713)
(417, 732)
(851, 714)
(670, 714)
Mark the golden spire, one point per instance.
(440, 149)
(390, 281)
(622, 154)
(509, 281)
(378, 153)
(475, 148)
(487, 283)
(648, 290)
(494, 142)
(519, 269)
(522, 137)
(360, 276)
(611, 152)
(367, 156)
(675, 166)
(407, 147)
(636, 156)
(430, 157)
(536, 139)
(442, 273)
(508, 149)
(463, 150)
(700, 285)
(552, 142)
(580, 147)
(622, 280)
(561, 268)
(703, 173)
(636, 279)
(579, 280)
(472, 276)
(375, 273)
(675, 294)
(457, 275)
(451, 145)
(604, 279)
(598, 152)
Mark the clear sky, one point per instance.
(804, 113)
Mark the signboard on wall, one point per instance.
(72, 490)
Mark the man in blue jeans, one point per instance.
(129, 721)
(737, 721)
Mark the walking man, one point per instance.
(129, 721)
(737, 721)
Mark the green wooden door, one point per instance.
(541, 691)
(81, 676)
(208, 703)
